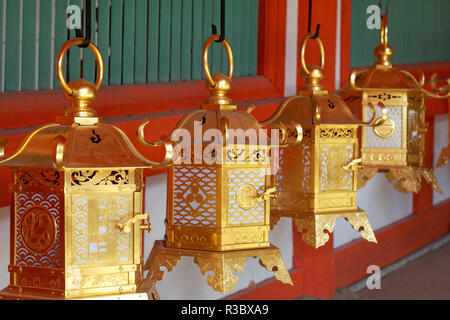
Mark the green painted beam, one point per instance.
(12, 65)
(115, 63)
(103, 36)
(61, 35)
(28, 45)
(153, 41)
(418, 32)
(128, 41)
(140, 43)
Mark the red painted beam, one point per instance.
(121, 101)
(272, 289)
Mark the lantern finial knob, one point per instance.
(313, 74)
(219, 84)
(80, 93)
(383, 52)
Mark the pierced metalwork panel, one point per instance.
(37, 177)
(332, 176)
(415, 138)
(95, 236)
(336, 133)
(294, 173)
(243, 188)
(246, 154)
(38, 230)
(394, 141)
(194, 196)
(100, 177)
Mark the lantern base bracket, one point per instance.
(147, 291)
(313, 226)
(222, 264)
(408, 179)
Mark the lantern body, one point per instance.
(312, 177)
(214, 205)
(400, 140)
(66, 241)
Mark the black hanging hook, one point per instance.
(87, 29)
(316, 34)
(222, 23)
(380, 4)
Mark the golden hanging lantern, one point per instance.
(77, 208)
(397, 146)
(317, 180)
(445, 153)
(218, 197)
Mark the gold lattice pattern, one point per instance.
(332, 176)
(394, 141)
(96, 239)
(414, 137)
(26, 256)
(195, 196)
(235, 180)
(295, 180)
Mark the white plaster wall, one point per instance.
(4, 247)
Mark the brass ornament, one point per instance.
(218, 199)
(384, 130)
(76, 213)
(317, 179)
(399, 143)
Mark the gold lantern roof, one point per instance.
(210, 116)
(81, 150)
(79, 139)
(317, 108)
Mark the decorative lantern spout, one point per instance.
(168, 145)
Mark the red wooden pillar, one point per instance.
(317, 265)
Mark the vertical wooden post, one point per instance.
(423, 200)
(317, 265)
